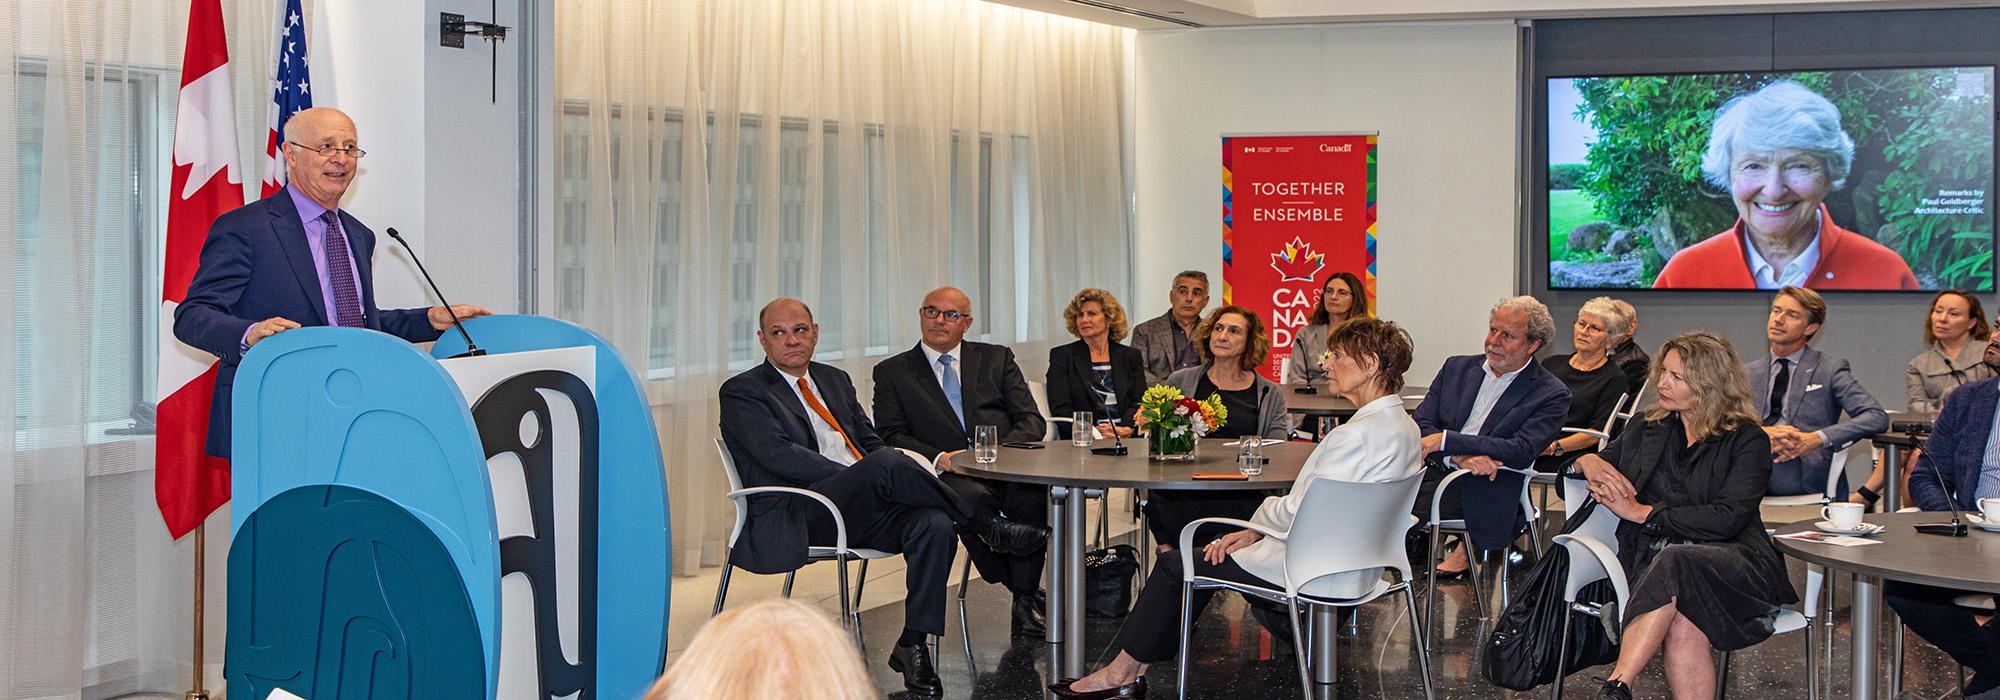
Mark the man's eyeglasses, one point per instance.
(953, 316)
(328, 151)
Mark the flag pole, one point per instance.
(197, 692)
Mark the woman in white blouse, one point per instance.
(1365, 362)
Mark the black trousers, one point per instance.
(988, 499)
(891, 503)
(1152, 631)
(1929, 612)
(1488, 525)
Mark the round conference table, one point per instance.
(1073, 473)
(1969, 563)
(1326, 403)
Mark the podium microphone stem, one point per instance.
(197, 691)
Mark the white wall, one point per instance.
(441, 156)
(1443, 97)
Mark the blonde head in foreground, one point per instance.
(773, 649)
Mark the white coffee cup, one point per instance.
(1989, 509)
(1847, 516)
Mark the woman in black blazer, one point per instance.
(1096, 373)
(1685, 484)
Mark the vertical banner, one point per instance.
(1296, 209)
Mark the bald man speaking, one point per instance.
(293, 259)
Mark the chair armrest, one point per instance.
(839, 524)
(1437, 497)
(1187, 539)
(1599, 434)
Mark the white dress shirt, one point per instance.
(1794, 275)
(832, 443)
(938, 370)
(1380, 443)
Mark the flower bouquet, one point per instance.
(1174, 423)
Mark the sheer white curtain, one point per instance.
(94, 599)
(716, 154)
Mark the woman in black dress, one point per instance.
(1686, 483)
(1096, 373)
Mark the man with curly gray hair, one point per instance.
(1778, 152)
(1490, 414)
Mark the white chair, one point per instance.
(1326, 543)
(1592, 559)
(1835, 468)
(1439, 527)
(839, 553)
(1548, 480)
(1284, 370)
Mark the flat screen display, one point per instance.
(1877, 180)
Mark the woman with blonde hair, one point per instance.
(1096, 373)
(777, 648)
(1685, 484)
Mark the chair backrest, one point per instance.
(1590, 561)
(1040, 390)
(1600, 524)
(1350, 526)
(735, 484)
(1285, 370)
(1837, 466)
(1611, 421)
(1638, 405)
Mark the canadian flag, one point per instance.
(187, 483)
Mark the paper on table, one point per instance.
(1263, 442)
(281, 694)
(1839, 540)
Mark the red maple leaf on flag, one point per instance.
(1297, 262)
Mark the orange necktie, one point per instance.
(820, 408)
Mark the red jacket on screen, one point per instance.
(1847, 260)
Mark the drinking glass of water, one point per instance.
(1250, 460)
(1080, 429)
(985, 444)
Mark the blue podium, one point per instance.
(406, 526)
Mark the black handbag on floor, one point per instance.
(1521, 653)
(1107, 580)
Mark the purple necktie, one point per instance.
(340, 271)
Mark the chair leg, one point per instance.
(965, 633)
(1722, 677)
(1187, 626)
(793, 575)
(1104, 520)
(1472, 573)
(846, 608)
(1431, 589)
(1812, 662)
(1423, 652)
(1506, 570)
(722, 587)
(1562, 651)
(1300, 650)
(859, 584)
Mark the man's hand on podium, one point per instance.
(441, 319)
(267, 328)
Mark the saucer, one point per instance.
(1865, 528)
(1982, 523)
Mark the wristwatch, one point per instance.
(1559, 449)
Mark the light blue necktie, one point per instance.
(951, 391)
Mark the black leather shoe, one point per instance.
(919, 672)
(1612, 690)
(1015, 537)
(1134, 689)
(1029, 620)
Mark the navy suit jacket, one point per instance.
(1956, 448)
(256, 264)
(1818, 392)
(764, 425)
(1523, 421)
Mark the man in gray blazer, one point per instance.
(1166, 342)
(1802, 393)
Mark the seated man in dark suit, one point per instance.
(1801, 393)
(1967, 466)
(1489, 411)
(929, 398)
(794, 422)
(1166, 342)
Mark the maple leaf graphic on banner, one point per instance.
(1297, 262)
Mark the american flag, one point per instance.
(291, 90)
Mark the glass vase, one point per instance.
(1162, 446)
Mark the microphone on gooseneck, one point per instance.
(471, 349)
(1955, 528)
